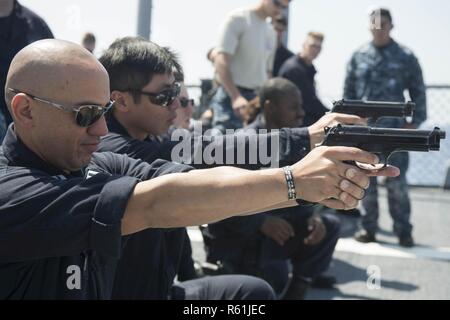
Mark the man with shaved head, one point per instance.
(58, 71)
(64, 208)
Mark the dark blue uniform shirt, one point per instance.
(60, 234)
(293, 145)
(302, 75)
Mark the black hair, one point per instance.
(178, 72)
(131, 63)
(275, 89)
(88, 37)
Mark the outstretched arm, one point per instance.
(205, 196)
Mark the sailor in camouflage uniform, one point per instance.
(381, 71)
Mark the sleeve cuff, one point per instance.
(106, 235)
(295, 145)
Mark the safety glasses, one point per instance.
(85, 115)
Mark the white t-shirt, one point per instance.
(251, 42)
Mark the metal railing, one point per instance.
(430, 168)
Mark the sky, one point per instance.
(191, 28)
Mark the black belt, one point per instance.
(245, 89)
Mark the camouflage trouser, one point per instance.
(398, 199)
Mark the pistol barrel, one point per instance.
(380, 140)
(374, 109)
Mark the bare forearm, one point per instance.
(205, 196)
(222, 64)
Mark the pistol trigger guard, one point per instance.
(369, 167)
(385, 157)
(373, 167)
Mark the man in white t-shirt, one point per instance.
(244, 59)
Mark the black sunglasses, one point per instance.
(186, 102)
(85, 115)
(164, 98)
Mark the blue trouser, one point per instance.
(225, 287)
(308, 261)
(398, 199)
(256, 254)
(223, 114)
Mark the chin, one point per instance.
(84, 161)
(161, 131)
(156, 131)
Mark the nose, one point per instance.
(98, 128)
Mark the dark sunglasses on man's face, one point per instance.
(88, 115)
(186, 102)
(85, 115)
(164, 98)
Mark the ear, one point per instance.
(268, 107)
(22, 110)
(122, 100)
